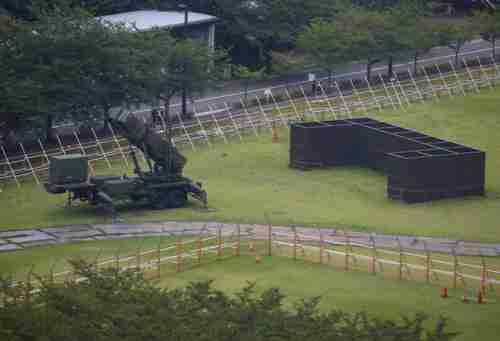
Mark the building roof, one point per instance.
(148, 19)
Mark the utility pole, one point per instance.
(184, 31)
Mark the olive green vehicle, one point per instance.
(161, 186)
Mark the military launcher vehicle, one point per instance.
(161, 186)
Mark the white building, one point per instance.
(200, 26)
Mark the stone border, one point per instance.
(12, 240)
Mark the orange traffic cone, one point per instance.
(444, 292)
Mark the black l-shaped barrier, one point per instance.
(420, 167)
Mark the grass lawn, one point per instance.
(351, 292)
(41, 260)
(247, 180)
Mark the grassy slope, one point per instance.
(41, 259)
(348, 291)
(246, 180)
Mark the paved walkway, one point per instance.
(13, 240)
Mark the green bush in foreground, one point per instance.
(114, 305)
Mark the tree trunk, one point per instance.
(390, 67)
(493, 43)
(415, 61)
(48, 128)
(369, 70)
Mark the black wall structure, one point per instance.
(420, 167)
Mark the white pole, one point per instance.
(101, 148)
(185, 130)
(83, 152)
(202, 129)
(10, 166)
(348, 110)
(290, 99)
(356, 92)
(415, 85)
(28, 161)
(219, 131)
(405, 95)
(43, 151)
(119, 146)
(228, 110)
(443, 80)
(262, 111)
(430, 84)
(470, 75)
(373, 94)
(308, 104)
(483, 72)
(60, 144)
(283, 120)
(459, 81)
(497, 69)
(330, 106)
(387, 91)
(249, 118)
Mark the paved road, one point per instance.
(349, 71)
(13, 240)
(231, 91)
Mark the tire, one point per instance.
(172, 199)
(177, 198)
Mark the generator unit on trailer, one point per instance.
(162, 185)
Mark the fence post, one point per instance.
(28, 161)
(400, 259)
(219, 242)
(484, 275)
(321, 247)
(199, 249)
(238, 241)
(249, 118)
(101, 148)
(269, 239)
(228, 111)
(346, 244)
(159, 259)
(290, 99)
(10, 167)
(178, 251)
(444, 80)
(427, 263)
(455, 267)
(470, 75)
(294, 243)
(374, 256)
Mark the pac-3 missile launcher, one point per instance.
(162, 185)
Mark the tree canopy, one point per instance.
(113, 305)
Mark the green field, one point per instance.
(247, 180)
(351, 292)
(382, 295)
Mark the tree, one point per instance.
(66, 65)
(247, 75)
(167, 66)
(329, 43)
(121, 305)
(455, 35)
(423, 37)
(488, 24)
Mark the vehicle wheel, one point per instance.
(177, 198)
(161, 201)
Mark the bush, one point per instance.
(113, 305)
